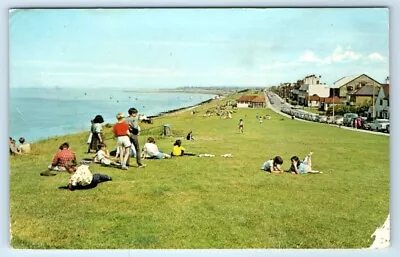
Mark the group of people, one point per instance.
(297, 166)
(126, 132)
(22, 148)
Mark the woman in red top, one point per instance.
(121, 132)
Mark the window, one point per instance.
(381, 102)
(388, 102)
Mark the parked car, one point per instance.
(323, 119)
(380, 125)
(348, 118)
(338, 120)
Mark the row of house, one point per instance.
(350, 90)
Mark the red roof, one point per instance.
(330, 100)
(246, 98)
(258, 99)
(313, 98)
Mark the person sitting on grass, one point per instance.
(302, 167)
(13, 147)
(178, 149)
(24, 147)
(273, 165)
(63, 155)
(103, 156)
(82, 178)
(150, 150)
(190, 136)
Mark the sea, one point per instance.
(47, 112)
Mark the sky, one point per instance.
(161, 48)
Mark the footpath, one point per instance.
(270, 106)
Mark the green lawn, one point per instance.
(194, 202)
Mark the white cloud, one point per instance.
(342, 55)
(310, 56)
(376, 57)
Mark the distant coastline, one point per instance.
(194, 90)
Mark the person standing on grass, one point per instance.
(82, 178)
(260, 120)
(241, 124)
(121, 132)
(63, 155)
(302, 167)
(273, 165)
(96, 130)
(134, 130)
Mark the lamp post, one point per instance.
(333, 103)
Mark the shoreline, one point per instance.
(159, 115)
(180, 110)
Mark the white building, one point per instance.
(308, 90)
(382, 109)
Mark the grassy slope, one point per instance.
(194, 202)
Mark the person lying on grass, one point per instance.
(150, 150)
(178, 149)
(302, 167)
(102, 156)
(82, 178)
(273, 165)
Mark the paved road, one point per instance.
(276, 103)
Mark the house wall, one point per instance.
(381, 110)
(320, 90)
(242, 105)
(362, 99)
(362, 79)
(313, 103)
(311, 80)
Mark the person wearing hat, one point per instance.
(82, 178)
(121, 132)
(96, 130)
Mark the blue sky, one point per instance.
(141, 48)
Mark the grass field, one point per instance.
(193, 202)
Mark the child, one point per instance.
(178, 149)
(121, 132)
(273, 165)
(241, 125)
(190, 136)
(304, 167)
(150, 150)
(82, 178)
(103, 156)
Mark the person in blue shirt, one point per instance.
(274, 165)
(302, 167)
